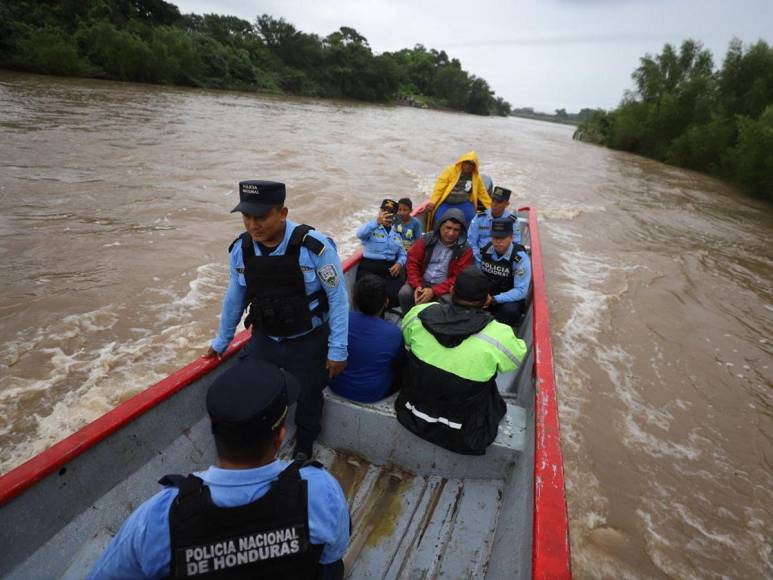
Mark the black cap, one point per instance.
(472, 285)
(501, 228)
(389, 206)
(257, 197)
(501, 194)
(250, 397)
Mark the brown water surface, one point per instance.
(114, 224)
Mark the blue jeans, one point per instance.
(467, 208)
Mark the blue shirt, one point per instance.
(376, 348)
(380, 244)
(409, 232)
(521, 275)
(479, 233)
(142, 547)
(323, 271)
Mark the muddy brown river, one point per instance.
(114, 224)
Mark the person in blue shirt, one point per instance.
(376, 349)
(290, 277)
(383, 253)
(508, 268)
(479, 233)
(409, 228)
(251, 515)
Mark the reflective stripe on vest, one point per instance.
(498, 345)
(429, 419)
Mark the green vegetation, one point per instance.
(560, 116)
(150, 41)
(685, 113)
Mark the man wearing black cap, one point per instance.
(480, 228)
(291, 279)
(449, 394)
(383, 253)
(508, 268)
(252, 515)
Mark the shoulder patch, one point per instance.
(328, 274)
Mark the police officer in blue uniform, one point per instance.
(508, 268)
(290, 277)
(252, 515)
(383, 252)
(479, 233)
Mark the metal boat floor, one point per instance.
(410, 526)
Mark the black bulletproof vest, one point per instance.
(500, 273)
(276, 292)
(268, 538)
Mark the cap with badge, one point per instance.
(472, 284)
(257, 197)
(389, 206)
(250, 398)
(501, 194)
(501, 228)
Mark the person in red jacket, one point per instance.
(435, 260)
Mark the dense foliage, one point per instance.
(685, 113)
(150, 41)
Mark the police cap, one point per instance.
(389, 206)
(257, 197)
(472, 285)
(250, 397)
(501, 194)
(501, 228)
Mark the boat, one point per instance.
(418, 511)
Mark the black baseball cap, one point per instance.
(472, 285)
(249, 398)
(501, 194)
(501, 228)
(257, 197)
(389, 206)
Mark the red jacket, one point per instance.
(418, 258)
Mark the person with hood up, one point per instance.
(449, 393)
(435, 260)
(459, 186)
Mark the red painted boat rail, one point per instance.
(550, 548)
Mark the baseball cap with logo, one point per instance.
(501, 228)
(257, 197)
(389, 206)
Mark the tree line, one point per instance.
(151, 41)
(685, 113)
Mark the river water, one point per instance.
(114, 226)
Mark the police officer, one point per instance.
(291, 279)
(509, 269)
(383, 253)
(480, 229)
(252, 515)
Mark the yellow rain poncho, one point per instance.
(447, 180)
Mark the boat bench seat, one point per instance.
(377, 435)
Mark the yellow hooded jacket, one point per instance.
(447, 180)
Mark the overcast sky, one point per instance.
(544, 54)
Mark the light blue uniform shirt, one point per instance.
(323, 271)
(479, 233)
(141, 548)
(521, 275)
(380, 244)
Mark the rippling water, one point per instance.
(113, 237)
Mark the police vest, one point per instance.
(268, 538)
(276, 290)
(500, 273)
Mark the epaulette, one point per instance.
(231, 247)
(313, 244)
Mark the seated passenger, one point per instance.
(376, 351)
(249, 494)
(459, 186)
(435, 260)
(409, 228)
(508, 268)
(480, 229)
(449, 393)
(383, 252)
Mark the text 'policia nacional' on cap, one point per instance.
(257, 197)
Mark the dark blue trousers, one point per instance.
(508, 312)
(304, 357)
